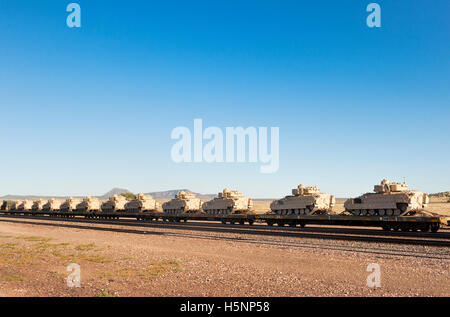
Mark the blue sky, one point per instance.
(84, 110)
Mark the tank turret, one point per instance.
(390, 199)
(184, 202)
(89, 204)
(114, 203)
(70, 204)
(305, 200)
(228, 202)
(52, 205)
(142, 203)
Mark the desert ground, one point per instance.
(162, 262)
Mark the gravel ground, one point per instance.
(172, 262)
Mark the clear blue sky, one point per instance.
(84, 110)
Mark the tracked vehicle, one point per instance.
(15, 205)
(390, 199)
(25, 205)
(70, 204)
(228, 202)
(38, 205)
(184, 202)
(142, 203)
(114, 203)
(89, 204)
(305, 200)
(52, 205)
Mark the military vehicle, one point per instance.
(391, 199)
(38, 205)
(184, 202)
(228, 202)
(52, 205)
(4, 205)
(114, 203)
(305, 200)
(25, 205)
(70, 204)
(15, 205)
(89, 204)
(142, 203)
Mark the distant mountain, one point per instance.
(114, 191)
(169, 194)
(442, 194)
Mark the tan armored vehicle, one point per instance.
(38, 205)
(70, 204)
(15, 205)
(25, 205)
(305, 200)
(52, 205)
(89, 204)
(228, 202)
(114, 203)
(142, 203)
(389, 199)
(183, 202)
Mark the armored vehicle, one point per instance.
(38, 205)
(15, 205)
(69, 205)
(388, 199)
(25, 205)
(184, 202)
(142, 203)
(89, 204)
(4, 205)
(114, 203)
(52, 205)
(305, 200)
(228, 202)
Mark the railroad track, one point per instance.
(264, 229)
(245, 236)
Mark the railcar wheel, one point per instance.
(250, 222)
(270, 223)
(434, 227)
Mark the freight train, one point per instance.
(392, 206)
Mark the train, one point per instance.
(391, 206)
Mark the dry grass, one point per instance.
(104, 293)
